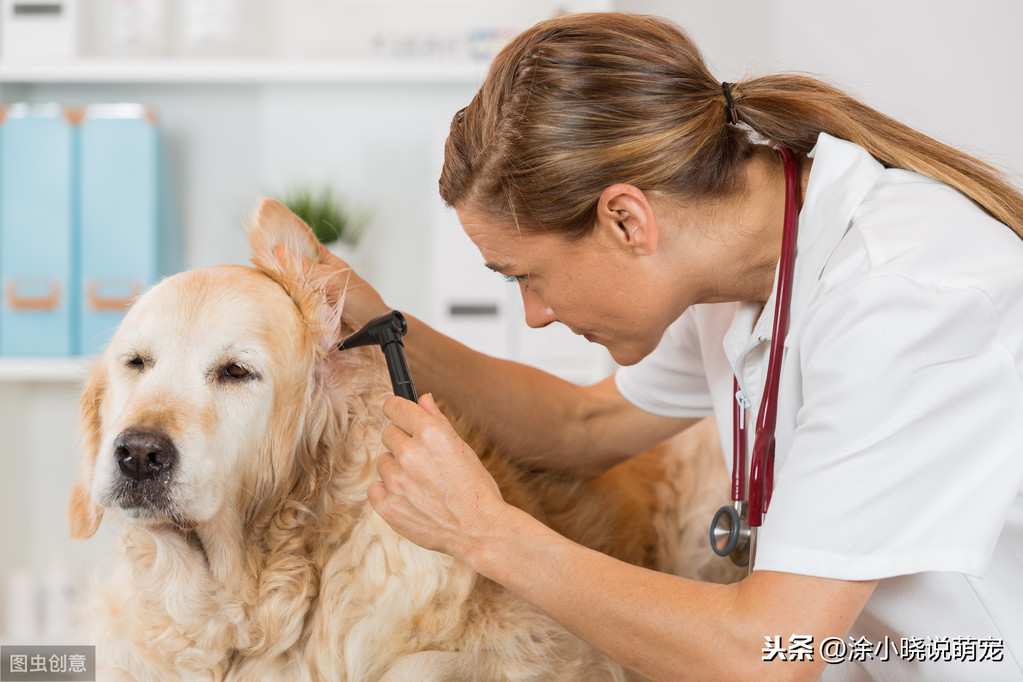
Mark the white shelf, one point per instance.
(44, 370)
(240, 71)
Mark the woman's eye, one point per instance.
(516, 279)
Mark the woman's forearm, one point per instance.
(663, 626)
(532, 414)
(535, 417)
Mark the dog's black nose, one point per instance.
(143, 455)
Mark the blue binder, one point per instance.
(37, 217)
(119, 216)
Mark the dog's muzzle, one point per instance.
(146, 461)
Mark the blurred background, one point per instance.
(138, 135)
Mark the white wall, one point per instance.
(946, 67)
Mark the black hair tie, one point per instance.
(733, 115)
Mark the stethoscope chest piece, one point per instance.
(730, 533)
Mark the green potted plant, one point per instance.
(336, 223)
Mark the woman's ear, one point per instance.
(625, 215)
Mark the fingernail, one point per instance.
(281, 253)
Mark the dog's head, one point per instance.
(209, 400)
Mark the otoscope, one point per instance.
(386, 331)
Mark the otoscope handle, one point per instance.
(386, 331)
(397, 366)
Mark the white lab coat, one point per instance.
(900, 420)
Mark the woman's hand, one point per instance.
(434, 489)
(339, 281)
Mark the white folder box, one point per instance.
(39, 29)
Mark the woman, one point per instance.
(637, 200)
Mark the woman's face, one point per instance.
(593, 286)
(626, 282)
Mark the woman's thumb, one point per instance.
(430, 405)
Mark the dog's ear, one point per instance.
(318, 296)
(273, 225)
(84, 515)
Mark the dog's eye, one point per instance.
(135, 362)
(235, 372)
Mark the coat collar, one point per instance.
(841, 175)
(840, 178)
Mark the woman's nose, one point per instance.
(538, 313)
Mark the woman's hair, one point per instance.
(581, 102)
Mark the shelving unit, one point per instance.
(44, 370)
(242, 83)
(185, 73)
(240, 71)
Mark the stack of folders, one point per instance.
(85, 223)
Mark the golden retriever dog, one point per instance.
(232, 445)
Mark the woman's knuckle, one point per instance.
(433, 432)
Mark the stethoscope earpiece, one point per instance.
(730, 534)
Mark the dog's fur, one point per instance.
(253, 553)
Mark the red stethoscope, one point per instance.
(733, 532)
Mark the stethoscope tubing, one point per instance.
(761, 476)
(733, 532)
